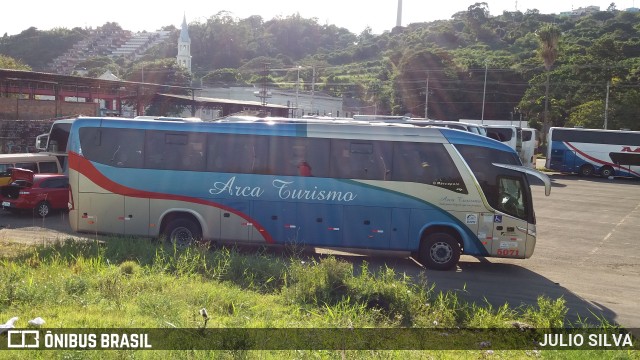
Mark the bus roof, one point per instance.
(301, 127)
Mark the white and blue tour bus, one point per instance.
(592, 151)
(435, 193)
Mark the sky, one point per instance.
(355, 15)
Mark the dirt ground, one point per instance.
(28, 229)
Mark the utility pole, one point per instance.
(426, 100)
(484, 92)
(313, 87)
(606, 106)
(297, 90)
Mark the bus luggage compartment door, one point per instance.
(136, 216)
(367, 227)
(279, 220)
(101, 213)
(321, 225)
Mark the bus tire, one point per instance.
(586, 170)
(439, 251)
(607, 171)
(182, 232)
(42, 209)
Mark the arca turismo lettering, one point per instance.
(285, 190)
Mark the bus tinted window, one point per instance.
(360, 159)
(232, 153)
(175, 150)
(427, 163)
(115, 147)
(300, 156)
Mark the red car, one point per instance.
(40, 193)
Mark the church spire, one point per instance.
(184, 46)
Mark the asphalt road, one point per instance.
(588, 252)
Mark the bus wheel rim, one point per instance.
(441, 252)
(182, 236)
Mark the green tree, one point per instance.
(549, 36)
(7, 62)
(223, 77)
(588, 115)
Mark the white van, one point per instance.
(39, 163)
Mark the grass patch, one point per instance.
(134, 283)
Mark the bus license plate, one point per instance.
(6, 204)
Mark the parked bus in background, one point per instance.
(433, 192)
(506, 134)
(55, 141)
(592, 151)
(528, 147)
(522, 140)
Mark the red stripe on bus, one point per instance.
(598, 161)
(77, 162)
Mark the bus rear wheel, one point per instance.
(439, 251)
(586, 170)
(182, 232)
(607, 171)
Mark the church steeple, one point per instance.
(184, 46)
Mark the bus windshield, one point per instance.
(503, 188)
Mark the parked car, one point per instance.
(40, 193)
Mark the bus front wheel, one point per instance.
(182, 232)
(439, 251)
(586, 170)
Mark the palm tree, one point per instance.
(549, 36)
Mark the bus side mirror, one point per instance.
(41, 142)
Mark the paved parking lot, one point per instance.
(588, 252)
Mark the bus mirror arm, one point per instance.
(545, 179)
